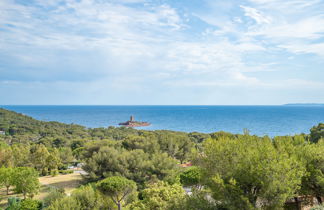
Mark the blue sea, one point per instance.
(259, 120)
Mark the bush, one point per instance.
(66, 172)
(66, 203)
(13, 203)
(191, 176)
(54, 172)
(320, 207)
(55, 194)
(30, 204)
(26, 204)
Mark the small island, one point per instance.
(133, 123)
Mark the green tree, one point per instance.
(26, 181)
(159, 196)
(66, 155)
(53, 160)
(135, 164)
(21, 154)
(317, 132)
(191, 177)
(6, 157)
(6, 178)
(89, 198)
(240, 172)
(39, 155)
(198, 200)
(149, 145)
(117, 188)
(313, 181)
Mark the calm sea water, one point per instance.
(259, 120)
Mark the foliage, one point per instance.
(85, 198)
(89, 198)
(198, 200)
(54, 194)
(320, 207)
(231, 171)
(248, 172)
(117, 188)
(66, 203)
(313, 181)
(135, 164)
(13, 203)
(26, 204)
(159, 196)
(191, 177)
(30, 204)
(6, 178)
(317, 132)
(26, 181)
(66, 171)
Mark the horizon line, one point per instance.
(162, 104)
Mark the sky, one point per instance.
(161, 52)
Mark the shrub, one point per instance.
(320, 207)
(54, 172)
(66, 172)
(30, 204)
(55, 194)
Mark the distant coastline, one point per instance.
(304, 104)
(272, 120)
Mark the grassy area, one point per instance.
(69, 182)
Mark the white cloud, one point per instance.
(103, 45)
(256, 15)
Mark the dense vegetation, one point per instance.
(136, 169)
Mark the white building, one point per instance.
(2, 133)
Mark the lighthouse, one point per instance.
(132, 119)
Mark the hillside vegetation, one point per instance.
(137, 169)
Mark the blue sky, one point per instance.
(161, 51)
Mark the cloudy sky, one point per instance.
(161, 51)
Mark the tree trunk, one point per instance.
(119, 206)
(297, 203)
(319, 199)
(7, 189)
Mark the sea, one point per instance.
(259, 120)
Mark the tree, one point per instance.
(39, 155)
(149, 145)
(6, 178)
(53, 160)
(313, 181)
(117, 188)
(249, 172)
(66, 155)
(6, 157)
(66, 203)
(26, 181)
(21, 154)
(317, 132)
(85, 198)
(191, 177)
(159, 196)
(135, 164)
(198, 200)
(89, 198)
